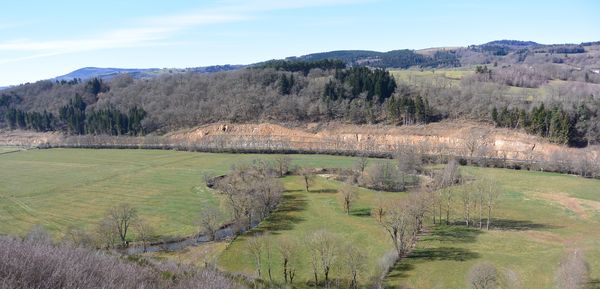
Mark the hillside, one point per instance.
(548, 91)
(137, 73)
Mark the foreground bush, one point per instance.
(35, 264)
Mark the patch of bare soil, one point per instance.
(580, 207)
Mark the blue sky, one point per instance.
(43, 39)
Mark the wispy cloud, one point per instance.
(150, 31)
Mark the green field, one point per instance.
(9, 149)
(539, 217)
(534, 231)
(451, 77)
(60, 188)
(312, 211)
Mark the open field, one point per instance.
(304, 213)
(539, 217)
(60, 188)
(9, 149)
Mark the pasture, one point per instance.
(538, 218)
(63, 188)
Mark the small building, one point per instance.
(595, 70)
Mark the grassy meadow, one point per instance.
(62, 188)
(532, 230)
(538, 218)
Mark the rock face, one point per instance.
(452, 138)
(445, 138)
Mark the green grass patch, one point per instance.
(60, 188)
(303, 213)
(531, 234)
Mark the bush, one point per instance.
(40, 265)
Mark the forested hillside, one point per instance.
(558, 93)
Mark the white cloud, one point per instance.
(152, 30)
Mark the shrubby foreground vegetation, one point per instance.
(36, 263)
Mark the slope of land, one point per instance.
(461, 138)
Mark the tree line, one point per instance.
(377, 85)
(74, 119)
(282, 91)
(552, 123)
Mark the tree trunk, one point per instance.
(285, 275)
(487, 227)
(480, 215)
(448, 213)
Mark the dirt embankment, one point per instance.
(453, 138)
(28, 138)
(449, 138)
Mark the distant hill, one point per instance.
(403, 58)
(109, 73)
(499, 51)
(512, 43)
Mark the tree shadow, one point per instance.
(454, 234)
(593, 284)
(362, 212)
(323, 191)
(284, 218)
(401, 269)
(518, 225)
(442, 254)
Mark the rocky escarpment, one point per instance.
(467, 139)
(451, 138)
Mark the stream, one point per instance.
(177, 245)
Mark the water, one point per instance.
(177, 245)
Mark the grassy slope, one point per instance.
(59, 188)
(453, 77)
(534, 234)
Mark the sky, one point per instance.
(45, 39)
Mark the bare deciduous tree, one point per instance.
(106, 233)
(483, 276)
(400, 225)
(145, 232)
(282, 165)
(251, 191)
(491, 193)
(467, 197)
(122, 217)
(360, 164)
(384, 176)
(349, 195)
(378, 210)
(308, 176)
(573, 271)
(324, 245)
(78, 237)
(442, 182)
(354, 260)
(287, 248)
(255, 248)
(210, 222)
(409, 160)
